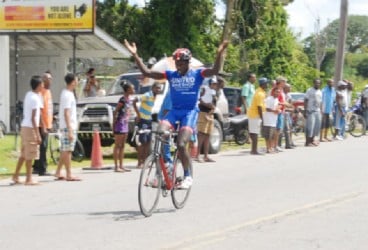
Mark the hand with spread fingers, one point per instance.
(130, 46)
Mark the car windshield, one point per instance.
(297, 96)
(141, 84)
(233, 96)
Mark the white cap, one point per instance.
(213, 79)
(341, 83)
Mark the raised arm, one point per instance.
(142, 67)
(216, 67)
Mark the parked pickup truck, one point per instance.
(97, 112)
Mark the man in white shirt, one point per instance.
(30, 134)
(68, 127)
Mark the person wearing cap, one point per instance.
(364, 102)
(328, 99)
(312, 113)
(255, 114)
(340, 110)
(207, 105)
(184, 84)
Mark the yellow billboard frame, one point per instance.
(47, 16)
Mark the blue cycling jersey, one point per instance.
(184, 89)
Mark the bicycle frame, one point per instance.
(157, 150)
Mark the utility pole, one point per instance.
(339, 63)
(228, 26)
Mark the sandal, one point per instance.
(16, 182)
(31, 183)
(124, 169)
(60, 178)
(209, 160)
(198, 160)
(73, 179)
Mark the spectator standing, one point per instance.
(280, 84)
(328, 100)
(144, 121)
(121, 125)
(30, 134)
(312, 113)
(248, 91)
(92, 87)
(207, 105)
(349, 91)
(255, 114)
(270, 120)
(68, 127)
(289, 108)
(47, 113)
(364, 103)
(340, 110)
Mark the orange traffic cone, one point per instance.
(96, 154)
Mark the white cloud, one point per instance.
(304, 13)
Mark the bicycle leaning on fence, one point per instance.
(155, 177)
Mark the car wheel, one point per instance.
(216, 138)
(87, 145)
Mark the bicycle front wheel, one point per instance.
(357, 125)
(54, 146)
(179, 196)
(149, 186)
(78, 152)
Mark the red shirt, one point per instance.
(281, 99)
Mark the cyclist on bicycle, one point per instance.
(184, 88)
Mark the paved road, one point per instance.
(305, 198)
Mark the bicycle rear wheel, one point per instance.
(54, 146)
(149, 186)
(179, 196)
(78, 152)
(357, 125)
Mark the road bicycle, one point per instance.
(54, 148)
(156, 178)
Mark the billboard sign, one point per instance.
(24, 16)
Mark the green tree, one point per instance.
(120, 19)
(174, 24)
(357, 33)
(265, 44)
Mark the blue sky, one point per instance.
(304, 13)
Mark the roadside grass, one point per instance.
(10, 150)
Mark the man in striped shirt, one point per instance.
(144, 121)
